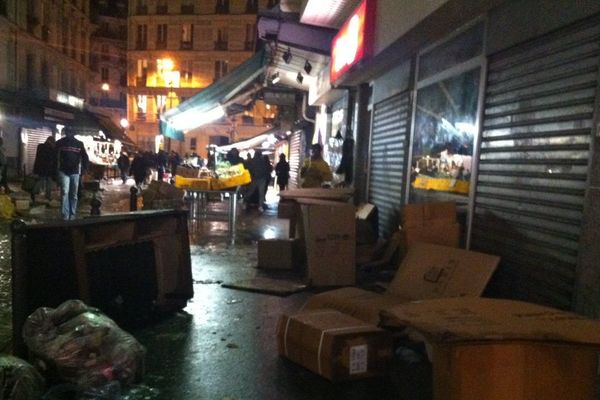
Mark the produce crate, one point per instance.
(238, 180)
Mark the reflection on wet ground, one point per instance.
(5, 286)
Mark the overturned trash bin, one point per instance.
(132, 266)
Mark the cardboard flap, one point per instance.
(473, 319)
(432, 271)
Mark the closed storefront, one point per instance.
(295, 158)
(390, 127)
(533, 169)
(31, 138)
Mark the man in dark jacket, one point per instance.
(44, 165)
(123, 164)
(72, 161)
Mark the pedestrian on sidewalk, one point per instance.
(123, 163)
(259, 173)
(44, 165)
(315, 170)
(282, 170)
(72, 162)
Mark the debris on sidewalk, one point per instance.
(266, 285)
(78, 344)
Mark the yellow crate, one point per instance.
(441, 184)
(238, 180)
(192, 183)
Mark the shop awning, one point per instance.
(211, 103)
(263, 141)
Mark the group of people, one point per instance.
(63, 161)
(144, 162)
(314, 172)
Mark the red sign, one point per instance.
(354, 41)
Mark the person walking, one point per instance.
(72, 161)
(138, 169)
(44, 165)
(259, 173)
(123, 163)
(282, 170)
(315, 170)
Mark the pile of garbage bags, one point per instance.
(80, 350)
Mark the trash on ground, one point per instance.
(78, 344)
(19, 380)
(266, 285)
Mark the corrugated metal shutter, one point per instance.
(388, 154)
(296, 147)
(534, 163)
(34, 137)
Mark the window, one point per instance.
(162, 7)
(161, 36)
(3, 7)
(104, 74)
(104, 52)
(187, 36)
(251, 6)
(187, 7)
(221, 69)
(142, 72)
(142, 107)
(161, 104)
(193, 143)
(186, 71)
(142, 37)
(222, 7)
(142, 7)
(250, 36)
(222, 39)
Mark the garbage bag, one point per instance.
(19, 380)
(75, 343)
(7, 208)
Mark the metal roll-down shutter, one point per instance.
(533, 167)
(34, 137)
(388, 154)
(295, 160)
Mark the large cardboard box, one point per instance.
(428, 271)
(433, 223)
(330, 240)
(416, 215)
(504, 350)
(279, 254)
(334, 345)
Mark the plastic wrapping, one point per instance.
(78, 344)
(19, 380)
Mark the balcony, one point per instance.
(142, 10)
(187, 8)
(221, 45)
(163, 10)
(186, 45)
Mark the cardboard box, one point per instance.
(279, 254)
(442, 234)
(187, 172)
(428, 271)
(334, 345)
(501, 349)
(417, 215)
(330, 240)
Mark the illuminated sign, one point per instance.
(354, 41)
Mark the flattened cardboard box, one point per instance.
(334, 345)
(416, 215)
(428, 271)
(501, 349)
(330, 239)
(279, 254)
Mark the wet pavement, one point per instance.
(223, 344)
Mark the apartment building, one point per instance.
(175, 49)
(108, 61)
(44, 71)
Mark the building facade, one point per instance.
(108, 60)
(175, 49)
(44, 71)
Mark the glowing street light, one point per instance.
(105, 87)
(124, 123)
